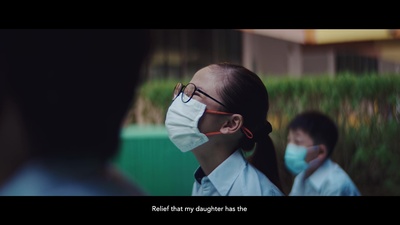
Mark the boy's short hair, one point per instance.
(320, 127)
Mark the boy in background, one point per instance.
(312, 138)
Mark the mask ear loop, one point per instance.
(246, 131)
(212, 133)
(217, 112)
(314, 148)
(315, 161)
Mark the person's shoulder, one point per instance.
(347, 188)
(57, 178)
(99, 186)
(338, 172)
(121, 184)
(338, 182)
(267, 187)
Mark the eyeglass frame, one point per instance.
(195, 89)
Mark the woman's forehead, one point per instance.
(206, 80)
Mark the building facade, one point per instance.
(180, 53)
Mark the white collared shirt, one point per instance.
(234, 177)
(328, 180)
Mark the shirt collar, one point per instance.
(225, 174)
(320, 174)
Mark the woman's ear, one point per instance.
(232, 125)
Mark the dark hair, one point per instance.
(244, 93)
(320, 127)
(73, 86)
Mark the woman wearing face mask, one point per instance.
(219, 116)
(312, 138)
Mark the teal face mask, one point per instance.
(295, 156)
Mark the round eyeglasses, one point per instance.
(188, 92)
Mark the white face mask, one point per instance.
(181, 122)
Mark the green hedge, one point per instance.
(366, 109)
